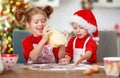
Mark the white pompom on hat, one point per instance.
(86, 19)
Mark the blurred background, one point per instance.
(107, 13)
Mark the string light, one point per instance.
(7, 25)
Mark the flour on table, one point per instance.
(57, 67)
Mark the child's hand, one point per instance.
(66, 33)
(45, 33)
(64, 61)
(79, 60)
(86, 56)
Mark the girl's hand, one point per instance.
(64, 61)
(66, 33)
(45, 33)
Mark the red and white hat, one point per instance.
(86, 19)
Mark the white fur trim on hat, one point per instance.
(77, 19)
(96, 38)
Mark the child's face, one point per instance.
(78, 30)
(37, 24)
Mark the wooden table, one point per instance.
(27, 73)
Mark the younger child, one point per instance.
(35, 46)
(82, 47)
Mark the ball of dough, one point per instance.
(95, 68)
(56, 38)
(88, 71)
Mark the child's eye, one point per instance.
(81, 28)
(74, 28)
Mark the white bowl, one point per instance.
(9, 61)
(111, 59)
(112, 66)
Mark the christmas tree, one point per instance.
(7, 19)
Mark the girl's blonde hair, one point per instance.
(22, 16)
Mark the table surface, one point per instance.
(25, 72)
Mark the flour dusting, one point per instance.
(57, 67)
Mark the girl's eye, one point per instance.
(36, 22)
(43, 21)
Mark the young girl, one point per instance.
(35, 46)
(82, 47)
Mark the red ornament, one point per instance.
(1, 12)
(4, 47)
(22, 4)
(117, 29)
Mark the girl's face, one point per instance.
(38, 22)
(78, 30)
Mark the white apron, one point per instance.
(46, 56)
(79, 51)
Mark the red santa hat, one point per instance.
(86, 19)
